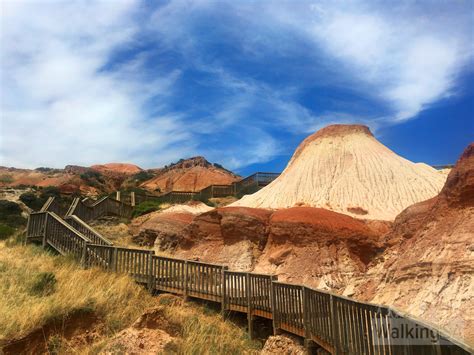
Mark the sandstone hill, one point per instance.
(118, 168)
(193, 174)
(72, 179)
(345, 169)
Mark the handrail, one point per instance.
(98, 208)
(46, 205)
(87, 230)
(338, 324)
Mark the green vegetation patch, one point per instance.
(43, 284)
(146, 207)
(10, 218)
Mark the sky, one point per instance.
(239, 82)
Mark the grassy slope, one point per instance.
(29, 301)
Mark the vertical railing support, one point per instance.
(224, 292)
(248, 289)
(45, 227)
(117, 195)
(113, 263)
(308, 343)
(132, 198)
(84, 255)
(186, 280)
(151, 273)
(274, 310)
(334, 326)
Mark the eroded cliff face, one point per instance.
(302, 244)
(428, 269)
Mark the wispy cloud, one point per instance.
(408, 55)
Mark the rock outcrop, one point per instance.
(343, 168)
(428, 270)
(192, 174)
(284, 242)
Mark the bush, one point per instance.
(6, 178)
(92, 176)
(50, 191)
(10, 215)
(31, 200)
(146, 207)
(142, 176)
(44, 284)
(6, 231)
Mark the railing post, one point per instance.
(274, 310)
(151, 275)
(113, 262)
(249, 304)
(45, 239)
(84, 255)
(309, 344)
(334, 326)
(117, 195)
(186, 280)
(132, 198)
(224, 292)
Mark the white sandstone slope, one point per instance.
(345, 169)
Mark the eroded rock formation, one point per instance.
(428, 269)
(343, 168)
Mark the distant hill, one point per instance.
(191, 174)
(186, 175)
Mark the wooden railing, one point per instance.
(337, 324)
(90, 233)
(105, 205)
(53, 204)
(257, 180)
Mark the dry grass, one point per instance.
(30, 299)
(117, 299)
(204, 331)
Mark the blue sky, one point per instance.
(240, 82)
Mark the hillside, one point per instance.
(193, 174)
(345, 169)
(50, 305)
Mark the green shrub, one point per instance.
(44, 284)
(50, 191)
(55, 344)
(146, 207)
(31, 200)
(93, 177)
(10, 215)
(6, 178)
(143, 176)
(6, 231)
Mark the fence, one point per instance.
(105, 205)
(256, 180)
(335, 323)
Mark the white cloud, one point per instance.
(59, 104)
(410, 59)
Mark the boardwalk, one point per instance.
(337, 324)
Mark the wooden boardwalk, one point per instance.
(337, 324)
(256, 180)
